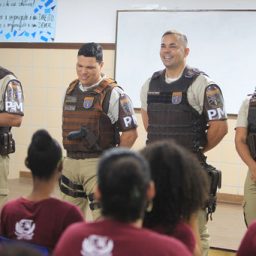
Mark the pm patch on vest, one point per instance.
(88, 102)
(176, 97)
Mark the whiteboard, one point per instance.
(222, 44)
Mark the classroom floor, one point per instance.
(226, 229)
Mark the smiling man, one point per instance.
(184, 104)
(97, 115)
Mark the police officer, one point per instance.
(184, 104)
(11, 113)
(245, 140)
(97, 115)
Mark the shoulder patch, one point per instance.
(214, 96)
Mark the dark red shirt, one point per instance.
(108, 237)
(40, 222)
(248, 244)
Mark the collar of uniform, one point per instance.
(84, 88)
(169, 80)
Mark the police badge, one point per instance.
(176, 97)
(88, 102)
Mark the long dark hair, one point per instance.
(181, 184)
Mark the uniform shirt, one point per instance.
(248, 243)
(242, 118)
(195, 94)
(182, 232)
(40, 222)
(112, 238)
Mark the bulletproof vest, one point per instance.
(251, 136)
(84, 109)
(252, 115)
(170, 116)
(4, 72)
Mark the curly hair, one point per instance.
(181, 185)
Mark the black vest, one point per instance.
(170, 116)
(4, 72)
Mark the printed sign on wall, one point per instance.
(27, 20)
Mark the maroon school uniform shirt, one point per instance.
(112, 238)
(40, 222)
(182, 232)
(248, 244)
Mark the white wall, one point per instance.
(83, 20)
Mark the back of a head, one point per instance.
(123, 180)
(43, 156)
(181, 183)
(91, 50)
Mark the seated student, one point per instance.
(124, 187)
(181, 190)
(39, 218)
(248, 243)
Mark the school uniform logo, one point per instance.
(24, 229)
(88, 102)
(176, 97)
(97, 245)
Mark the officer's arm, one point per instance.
(128, 138)
(7, 119)
(243, 149)
(144, 116)
(215, 133)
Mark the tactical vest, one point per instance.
(7, 143)
(4, 72)
(85, 109)
(170, 116)
(251, 137)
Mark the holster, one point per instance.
(7, 144)
(215, 183)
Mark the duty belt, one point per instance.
(82, 155)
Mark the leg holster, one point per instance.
(7, 144)
(76, 190)
(71, 188)
(215, 183)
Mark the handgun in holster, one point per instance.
(215, 183)
(87, 135)
(7, 144)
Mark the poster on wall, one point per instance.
(27, 20)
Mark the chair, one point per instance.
(43, 250)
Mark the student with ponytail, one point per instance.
(39, 218)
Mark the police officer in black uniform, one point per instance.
(184, 104)
(11, 113)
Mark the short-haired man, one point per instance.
(95, 111)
